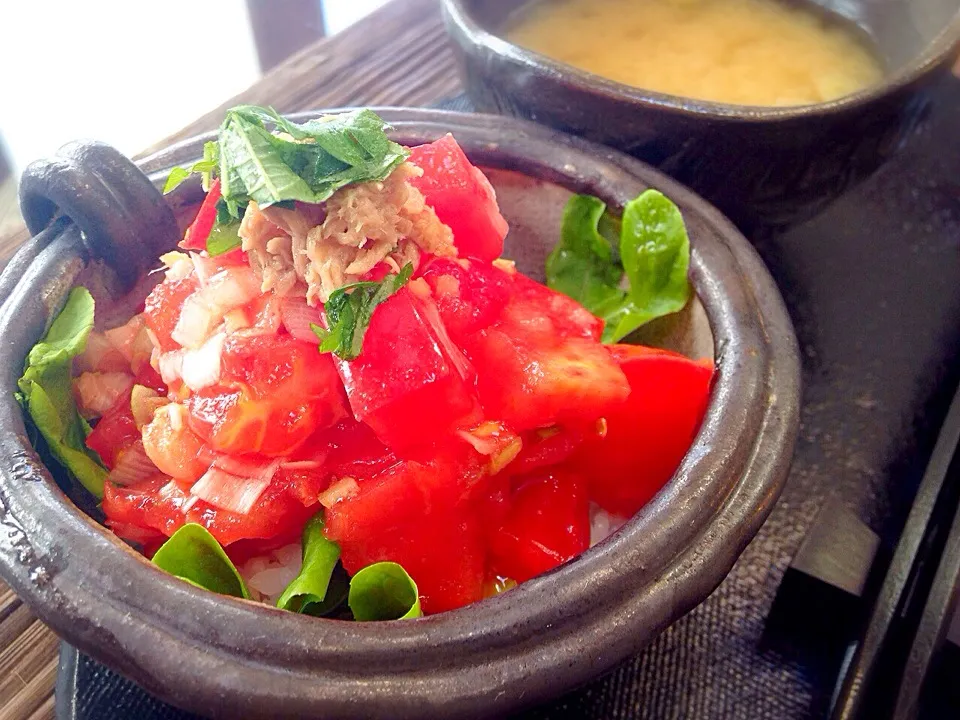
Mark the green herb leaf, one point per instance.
(311, 591)
(383, 591)
(176, 176)
(316, 159)
(194, 555)
(46, 391)
(653, 249)
(223, 239)
(206, 167)
(350, 309)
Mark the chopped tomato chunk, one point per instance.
(114, 432)
(648, 435)
(410, 384)
(548, 523)
(162, 309)
(462, 197)
(274, 393)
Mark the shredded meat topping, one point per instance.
(329, 246)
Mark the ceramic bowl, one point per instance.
(233, 658)
(760, 165)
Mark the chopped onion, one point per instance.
(170, 365)
(178, 265)
(201, 367)
(229, 492)
(268, 575)
(196, 322)
(100, 355)
(236, 319)
(297, 317)
(231, 288)
(242, 467)
(506, 456)
(204, 266)
(457, 358)
(132, 466)
(97, 392)
(345, 487)
(123, 337)
(144, 403)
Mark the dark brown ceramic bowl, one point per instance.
(234, 658)
(758, 165)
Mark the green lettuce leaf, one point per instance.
(655, 251)
(350, 309)
(46, 391)
(383, 591)
(194, 555)
(312, 592)
(582, 263)
(653, 255)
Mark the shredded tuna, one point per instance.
(359, 227)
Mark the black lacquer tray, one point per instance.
(873, 287)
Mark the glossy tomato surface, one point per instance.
(462, 197)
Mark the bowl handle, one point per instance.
(124, 219)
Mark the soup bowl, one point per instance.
(99, 221)
(759, 165)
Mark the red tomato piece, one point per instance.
(195, 238)
(545, 448)
(647, 436)
(274, 393)
(349, 449)
(114, 432)
(529, 380)
(445, 557)
(462, 197)
(469, 299)
(173, 447)
(568, 318)
(548, 523)
(406, 492)
(162, 309)
(158, 504)
(410, 383)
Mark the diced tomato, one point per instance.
(114, 432)
(462, 197)
(173, 447)
(406, 492)
(535, 382)
(568, 318)
(444, 555)
(410, 384)
(148, 377)
(195, 238)
(647, 436)
(159, 504)
(162, 309)
(469, 299)
(274, 393)
(548, 523)
(545, 448)
(349, 449)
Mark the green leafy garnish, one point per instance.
(194, 555)
(223, 239)
(383, 591)
(46, 391)
(312, 592)
(306, 162)
(206, 167)
(654, 255)
(349, 310)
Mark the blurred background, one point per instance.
(132, 73)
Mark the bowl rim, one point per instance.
(465, 29)
(524, 645)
